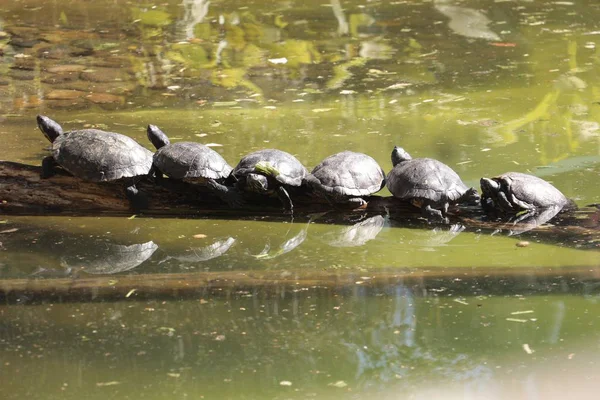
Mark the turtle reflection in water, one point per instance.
(199, 254)
(290, 243)
(354, 235)
(101, 257)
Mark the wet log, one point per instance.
(23, 192)
(526, 280)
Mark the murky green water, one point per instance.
(485, 86)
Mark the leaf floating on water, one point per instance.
(339, 384)
(132, 217)
(348, 92)
(320, 110)
(9, 230)
(199, 236)
(213, 145)
(220, 338)
(527, 349)
(270, 108)
(4, 221)
(459, 301)
(521, 312)
(173, 374)
(132, 291)
(285, 383)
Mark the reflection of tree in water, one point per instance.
(194, 13)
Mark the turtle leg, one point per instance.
(285, 199)
(504, 204)
(433, 214)
(226, 193)
(138, 200)
(470, 197)
(48, 164)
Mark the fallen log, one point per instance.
(526, 280)
(23, 192)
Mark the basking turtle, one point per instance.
(514, 193)
(428, 184)
(270, 171)
(96, 156)
(193, 163)
(347, 176)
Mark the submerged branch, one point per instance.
(189, 285)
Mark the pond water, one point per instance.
(412, 311)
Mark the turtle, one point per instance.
(270, 171)
(522, 194)
(96, 156)
(346, 177)
(428, 184)
(193, 163)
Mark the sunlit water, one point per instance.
(484, 86)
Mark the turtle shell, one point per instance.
(349, 174)
(100, 156)
(530, 190)
(425, 178)
(291, 171)
(183, 160)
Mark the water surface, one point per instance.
(484, 86)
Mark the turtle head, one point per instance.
(50, 128)
(399, 155)
(489, 187)
(157, 137)
(257, 183)
(495, 194)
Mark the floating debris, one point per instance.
(522, 243)
(285, 383)
(527, 349)
(281, 60)
(521, 312)
(111, 383)
(516, 320)
(339, 384)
